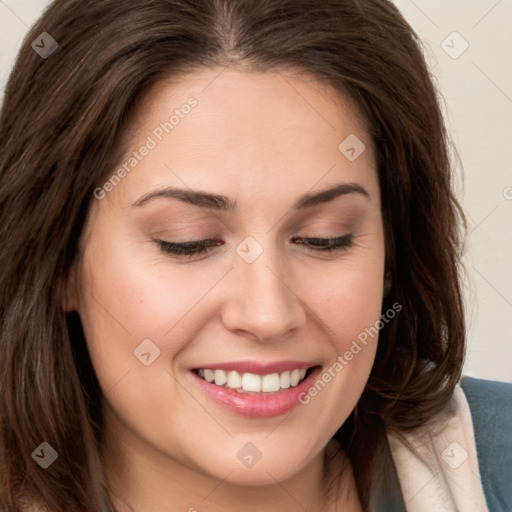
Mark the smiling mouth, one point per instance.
(252, 383)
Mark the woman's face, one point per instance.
(242, 162)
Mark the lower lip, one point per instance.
(263, 405)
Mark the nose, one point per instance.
(262, 300)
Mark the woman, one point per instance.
(230, 267)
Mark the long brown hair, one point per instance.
(60, 133)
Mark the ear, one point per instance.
(69, 295)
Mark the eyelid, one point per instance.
(180, 248)
(192, 248)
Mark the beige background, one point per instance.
(476, 83)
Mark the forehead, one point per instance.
(268, 131)
(282, 97)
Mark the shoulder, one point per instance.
(490, 403)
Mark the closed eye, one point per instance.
(194, 247)
(327, 244)
(187, 248)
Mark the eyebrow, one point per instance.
(222, 203)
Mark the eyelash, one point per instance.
(192, 248)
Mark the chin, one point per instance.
(251, 467)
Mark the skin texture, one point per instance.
(262, 139)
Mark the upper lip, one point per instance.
(258, 368)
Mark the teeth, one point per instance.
(294, 377)
(220, 377)
(270, 383)
(250, 382)
(285, 380)
(234, 380)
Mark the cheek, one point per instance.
(348, 299)
(130, 296)
(359, 303)
(348, 303)
(140, 294)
